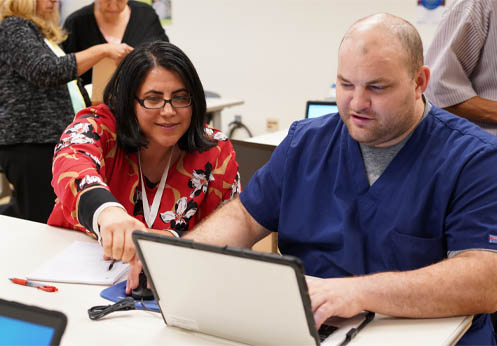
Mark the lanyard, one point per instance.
(150, 211)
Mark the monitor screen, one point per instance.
(22, 324)
(316, 109)
(18, 332)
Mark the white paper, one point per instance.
(82, 263)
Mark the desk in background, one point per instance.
(216, 105)
(25, 245)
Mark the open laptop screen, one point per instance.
(22, 324)
(316, 109)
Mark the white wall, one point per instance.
(274, 54)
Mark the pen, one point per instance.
(354, 331)
(34, 284)
(111, 264)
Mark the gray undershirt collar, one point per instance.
(376, 160)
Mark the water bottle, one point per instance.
(332, 94)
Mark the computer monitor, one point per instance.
(316, 109)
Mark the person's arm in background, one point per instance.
(25, 52)
(476, 109)
(88, 55)
(453, 55)
(87, 58)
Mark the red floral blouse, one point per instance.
(87, 156)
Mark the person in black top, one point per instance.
(112, 21)
(39, 96)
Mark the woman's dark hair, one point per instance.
(120, 93)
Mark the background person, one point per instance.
(392, 202)
(462, 57)
(112, 21)
(38, 98)
(148, 140)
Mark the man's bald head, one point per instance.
(387, 29)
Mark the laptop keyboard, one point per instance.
(325, 331)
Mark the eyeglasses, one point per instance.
(159, 102)
(118, 1)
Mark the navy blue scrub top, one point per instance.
(438, 194)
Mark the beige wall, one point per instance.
(275, 54)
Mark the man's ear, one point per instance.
(421, 78)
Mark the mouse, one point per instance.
(141, 291)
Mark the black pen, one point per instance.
(111, 264)
(354, 331)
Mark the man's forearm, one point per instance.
(463, 285)
(476, 109)
(230, 225)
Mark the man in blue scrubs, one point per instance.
(393, 202)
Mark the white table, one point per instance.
(270, 138)
(25, 245)
(216, 105)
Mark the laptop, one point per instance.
(22, 324)
(315, 109)
(235, 294)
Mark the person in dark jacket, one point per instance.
(39, 96)
(112, 21)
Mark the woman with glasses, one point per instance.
(144, 159)
(39, 96)
(112, 21)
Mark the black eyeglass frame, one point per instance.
(166, 101)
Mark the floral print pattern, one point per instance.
(80, 133)
(218, 135)
(88, 155)
(183, 212)
(200, 180)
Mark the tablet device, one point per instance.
(22, 324)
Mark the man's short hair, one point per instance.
(406, 33)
